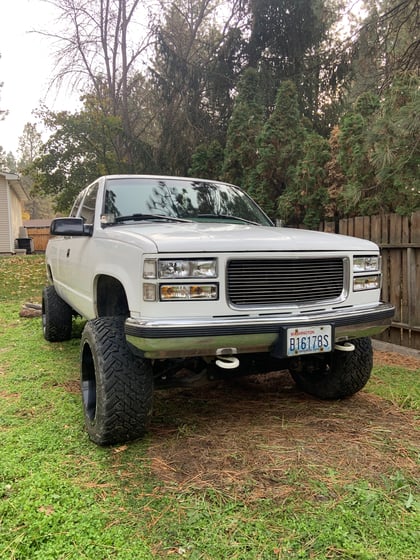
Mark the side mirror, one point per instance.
(70, 227)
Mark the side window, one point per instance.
(76, 204)
(87, 212)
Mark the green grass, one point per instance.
(62, 497)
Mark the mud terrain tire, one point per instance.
(56, 316)
(348, 373)
(117, 386)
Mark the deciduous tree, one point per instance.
(100, 47)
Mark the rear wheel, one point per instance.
(117, 386)
(346, 375)
(56, 316)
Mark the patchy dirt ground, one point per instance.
(395, 359)
(262, 437)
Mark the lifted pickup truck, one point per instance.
(184, 280)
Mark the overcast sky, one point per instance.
(25, 67)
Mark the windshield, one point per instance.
(202, 201)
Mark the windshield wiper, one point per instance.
(228, 217)
(140, 217)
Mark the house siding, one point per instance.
(6, 241)
(15, 206)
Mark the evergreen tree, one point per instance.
(306, 197)
(279, 147)
(207, 161)
(394, 146)
(387, 44)
(244, 128)
(2, 158)
(190, 54)
(291, 40)
(334, 177)
(30, 145)
(360, 192)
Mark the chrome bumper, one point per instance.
(179, 338)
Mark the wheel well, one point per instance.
(49, 275)
(111, 299)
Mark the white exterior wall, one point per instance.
(6, 241)
(15, 206)
(12, 194)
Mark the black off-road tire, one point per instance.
(117, 386)
(348, 373)
(57, 316)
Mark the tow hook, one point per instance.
(346, 347)
(227, 362)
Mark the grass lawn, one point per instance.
(252, 469)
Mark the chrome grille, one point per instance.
(284, 281)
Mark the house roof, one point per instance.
(16, 184)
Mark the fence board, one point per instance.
(415, 227)
(404, 294)
(395, 229)
(358, 226)
(376, 229)
(395, 269)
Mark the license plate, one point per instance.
(309, 340)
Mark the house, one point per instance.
(12, 196)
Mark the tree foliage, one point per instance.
(244, 128)
(388, 43)
(279, 146)
(306, 197)
(394, 146)
(97, 54)
(79, 149)
(191, 74)
(262, 93)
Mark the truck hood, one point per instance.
(221, 237)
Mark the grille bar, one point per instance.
(284, 281)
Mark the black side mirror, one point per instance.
(70, 227)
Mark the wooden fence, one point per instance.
(39, 237)
(399, 240)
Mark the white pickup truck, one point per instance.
(183, 280)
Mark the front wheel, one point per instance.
(347, 373)
(57, 316)
(117, 386)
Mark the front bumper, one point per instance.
(182, 338)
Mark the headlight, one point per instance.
(367, 282)
(176, 292)
(366, 264)
(180, 268)
(187, 268)
(362, 280)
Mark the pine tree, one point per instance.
(279, 149)
(361, 192)
(207, 161)
(244, 127)
(306, 197)
(394, 146)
